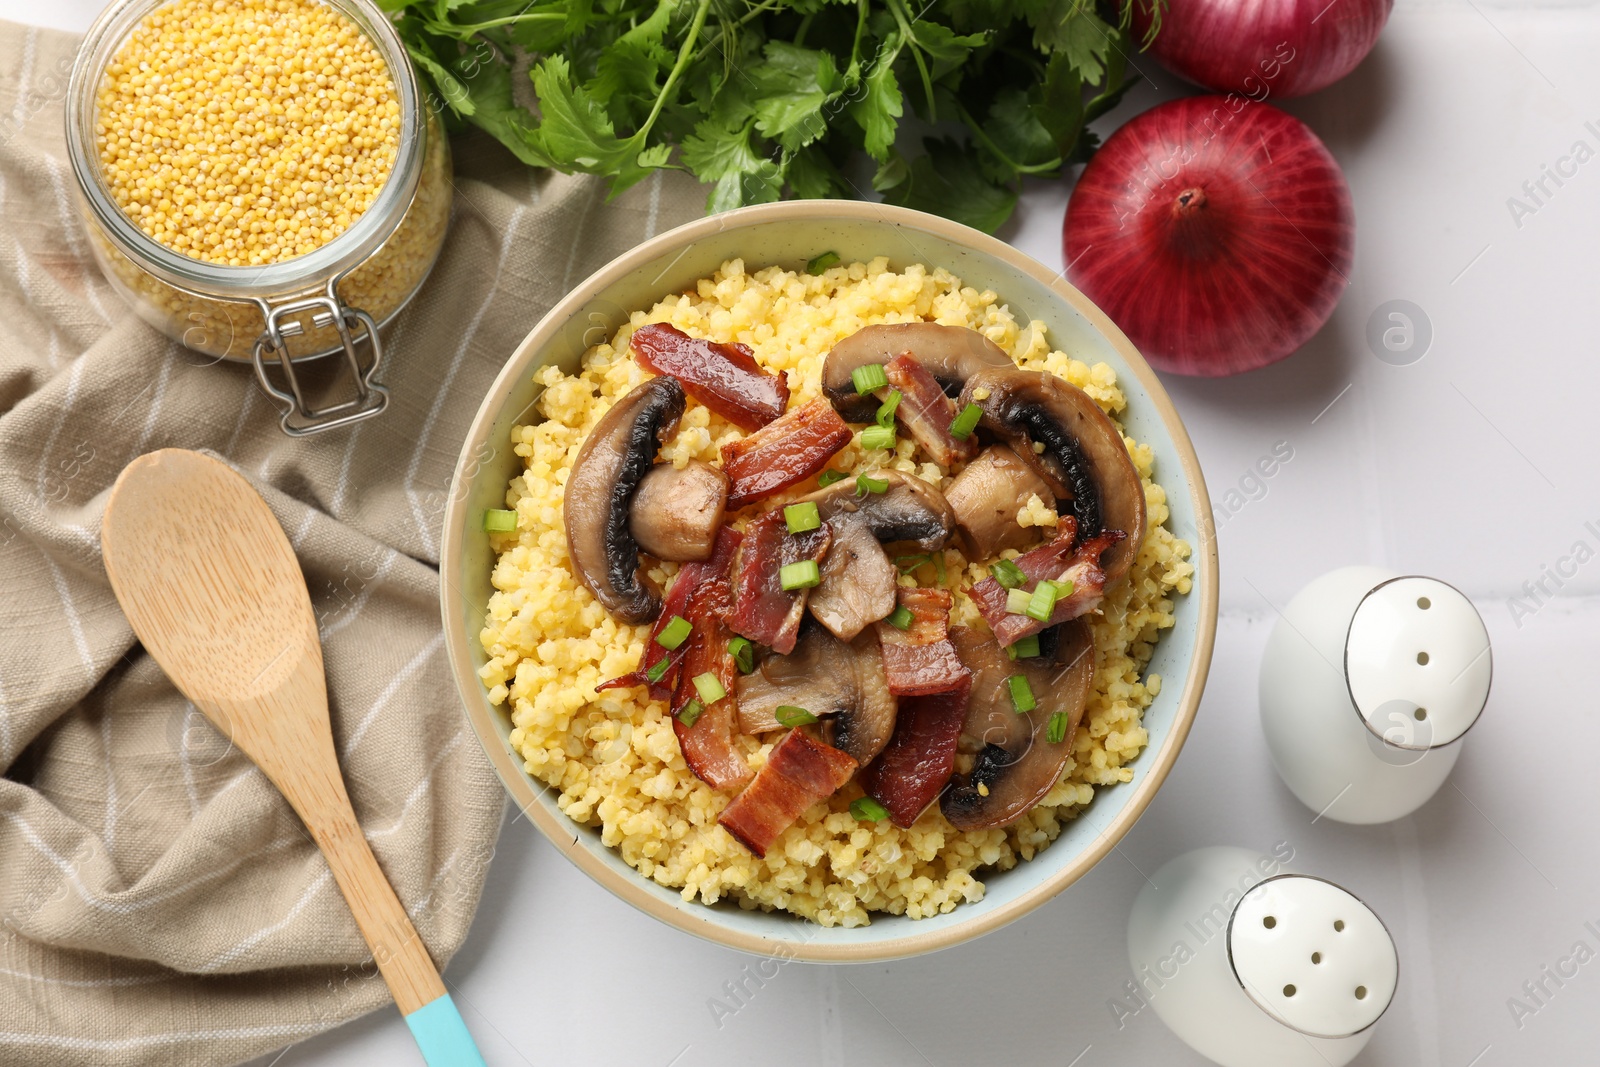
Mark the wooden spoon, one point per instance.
(215, 594)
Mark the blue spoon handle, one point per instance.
(442, 1035)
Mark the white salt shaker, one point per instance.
(1369, 681)
(1252, 965)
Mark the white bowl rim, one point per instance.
(941, 931)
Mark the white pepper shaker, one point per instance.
(1368, 684)
(1253, 965)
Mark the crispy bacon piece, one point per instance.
(910, 772)
(927, 412)
(690, 577)
(921, 659)
(1062, 560)
(783, 452)
(707, 744)
(725, 378)
(799, 772)
(763, 610)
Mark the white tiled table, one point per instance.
(1476, 464)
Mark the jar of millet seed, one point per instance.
(263, 181)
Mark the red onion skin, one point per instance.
(1218, 240)
(1262, 48)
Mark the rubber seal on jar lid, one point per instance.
(1417, 662)
(1313, 956)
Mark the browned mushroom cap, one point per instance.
(843, 685)
(952, 354)
(1016, 764)
(909, 510)
(613, 460)
(986, 496)
(1084, 459)
(676, 513)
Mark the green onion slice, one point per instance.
(802, 517)
(868, 378)
(828, 477)
(801, 575)
(1056, 732)
(691, 711)
(743, 653)
(1042, 603)
(877, 437)
(1017, 601)
(868, 810)
(1008, 573)
(659, 669)
(900, 618)
(821, 263)
(709, 686)
(674, 633)
(789, 715)
(886, 410)
(1024, 648)
(497, 520)
(1064, 588)
(866, 484)
(1021, 693)
(962, 425)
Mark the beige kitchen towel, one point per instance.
(159, 902)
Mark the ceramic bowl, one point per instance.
(789, 234)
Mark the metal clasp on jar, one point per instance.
(299, 418)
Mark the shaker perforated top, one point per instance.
(1313, 956)
(1418, 663)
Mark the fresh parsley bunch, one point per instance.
(941, 105)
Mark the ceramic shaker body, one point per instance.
(1253, 965)
(1369, 682)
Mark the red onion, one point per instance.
(1260, 48)
(1218, 239)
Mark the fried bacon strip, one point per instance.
(1062, 559)
(910, 772)
(725, 378)
(707, 743)
(800, 771)
(783, 452)
(690, 577)
(763, 610)
(927, 412)
(921, 659)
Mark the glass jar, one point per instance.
(323, 303)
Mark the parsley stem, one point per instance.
(685, 53)
(1020, 168)
(509, 20)
(897, 9)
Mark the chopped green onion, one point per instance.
(1017, 601)
(709, 687)
(743, 653)
(1021, 693)
(674, 633)
(1007, 573)
(496, 520)
(789, 715)
(1063, 589)
(877, 437)
(691, 711)
(1056, 732)
(868, 378)
(802, 517)
(868, 810)
(900, 618)
(962, 425)
(822, 262)
(1024, 648)
(802, 575)
(1042, 603)
(866, 484)
(886, 410)
(828, 477)
(659, 669)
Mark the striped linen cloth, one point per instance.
(159, 902)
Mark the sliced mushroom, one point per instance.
(986, 496)
(600, 488)
(1016, 764)
(842, 684)
(1083, 457)
(952, 354)
(858, 578)
(676, 513)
